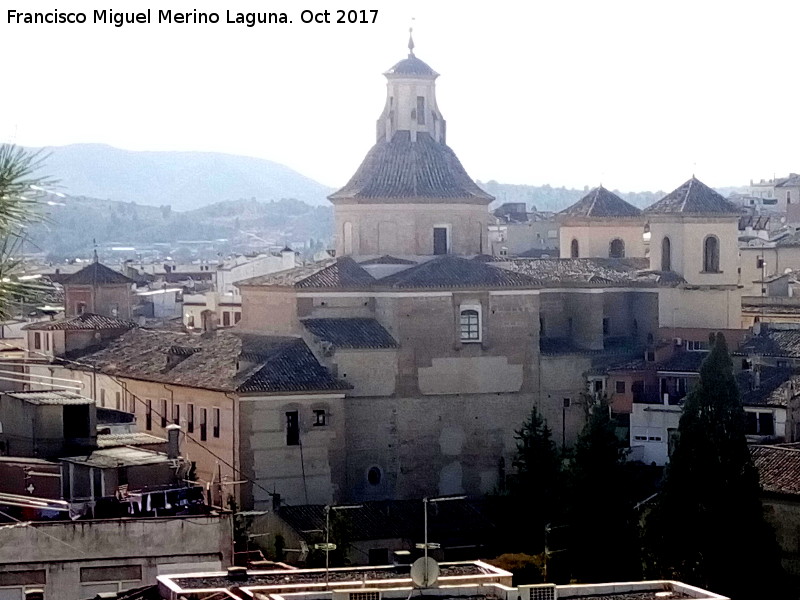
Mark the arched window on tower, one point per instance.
(616, 249)
(573, 249)
(711, 254)
(666, 254)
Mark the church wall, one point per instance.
(700, 308)
(312, 472)
(370, 372)
(432, 445)
(687, 238)
(269, 311)
(594, 239)
(407, 229)
(562, 378)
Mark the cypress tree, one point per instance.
(707, 527)
(604, 540)
(535, 490)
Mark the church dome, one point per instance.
(412, 66)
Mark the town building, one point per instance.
(601, 225)
(98, 290)
(518, 232)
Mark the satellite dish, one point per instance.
(424, 572)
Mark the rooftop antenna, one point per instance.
(411, 39)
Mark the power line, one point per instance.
(153, 411)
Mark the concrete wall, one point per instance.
(594, 238)
(69, 551)
(407, 229)
(562, 379)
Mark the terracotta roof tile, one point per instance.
(449, 271)
(778, 469)
(693, 197)
(84, 321)
(600, 203)
(351, 332)
(587, 272)
(96, 274)
(424, 171)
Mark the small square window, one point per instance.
(620, 387)
(320, 419)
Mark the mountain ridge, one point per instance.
(184, 180)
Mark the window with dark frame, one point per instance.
(37, 340)
(190, 418)
(176, 414)
(226, 319)
(216, 414)
(470, 325)
(164, 413)
(203, 424)
(319, 417)
(148, 415)
(620, 387)
(666, 254)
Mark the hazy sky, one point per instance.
(634, 94)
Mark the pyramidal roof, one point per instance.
(424, 171)
(693, 198)
(601, 203)
(96, 274)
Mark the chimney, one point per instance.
(173, 441)
(287, 258)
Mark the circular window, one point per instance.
(374, 476)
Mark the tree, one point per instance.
(20, 192)
(535, 488)
(604, 538)
(707, 527)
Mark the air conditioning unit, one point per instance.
(541, 591)
(362, 594)
(678, 341)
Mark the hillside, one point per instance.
(76, 223)
(182, 180)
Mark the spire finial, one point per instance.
(411, 39)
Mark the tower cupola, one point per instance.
(411, 100)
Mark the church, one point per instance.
(444, 349)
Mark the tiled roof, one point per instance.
(424, 171)
(693, 197)
(288, 277)
(386, 259)
(773, 342)
(112, 440)
(51, 397)
(601, 203)
(96, 274)
(683, 362)
(586, 272)
(344, 273)
(778, 469)
(449, 271)
(776, 385)
(791, 240)
(291, 368)
(411, 66)
(85, 321)
(351, 332)
(227, 361)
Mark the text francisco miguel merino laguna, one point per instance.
(118, 18)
